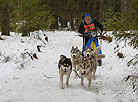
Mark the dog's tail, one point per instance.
(62, 56)
(100, 56)
(97, 49)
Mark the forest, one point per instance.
(29, 15)
(33, 34)
(25, 16)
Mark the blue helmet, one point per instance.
(87, 15)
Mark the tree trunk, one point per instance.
(72, 25)
(63, 23)
(55, 25)
(125, 6)
(5, 22)
(77, 23)
(101, 10)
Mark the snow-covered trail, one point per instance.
(39, 80)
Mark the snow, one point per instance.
(26, 80)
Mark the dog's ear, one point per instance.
(72, 47)
(97, 49)
(100, 56)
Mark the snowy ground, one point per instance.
(24, 80)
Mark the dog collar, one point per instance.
(89, 59)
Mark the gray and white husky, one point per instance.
(93, 58)
(76, 56)
(85, 71)
(87, 52)
(88, 65)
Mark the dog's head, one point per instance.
(75, 52)
(85, 67)
(65, 63)
(87, 52)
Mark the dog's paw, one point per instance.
(67, 85)
(81, 83)
(89, 86)
(62, 87)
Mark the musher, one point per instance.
(88, 24)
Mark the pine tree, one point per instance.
(32, 15)
(127, 28)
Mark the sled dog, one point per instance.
(87, 52)
(85, 71)
(93, 58)
(65, 68)
(76, 56)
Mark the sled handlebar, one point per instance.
(92, 34)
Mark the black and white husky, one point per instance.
(65, 68)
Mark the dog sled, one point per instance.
(92, 42)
